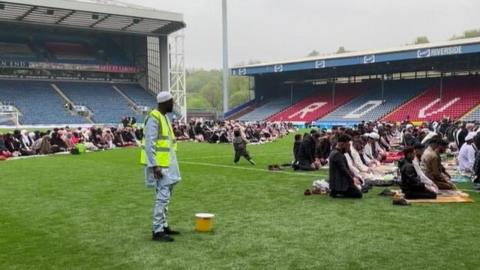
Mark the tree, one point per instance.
(313, 53)
(467, 34)
(341, 49)
(204, 90)
(196, 101)
(212, 93)
(421, 40)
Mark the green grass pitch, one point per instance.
(93, 212)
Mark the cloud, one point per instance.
(271, 30)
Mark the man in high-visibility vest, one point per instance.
(161, 167)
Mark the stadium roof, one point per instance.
(385, 56)
(101, 15)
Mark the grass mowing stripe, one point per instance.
(245, 168)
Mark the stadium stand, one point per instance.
(266, 109)
(371, 107)
(320, 104)
(65, 51)
(105, 103)
(459, 96)
(37, 102)
(139, 95)
(61, 49)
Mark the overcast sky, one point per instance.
(271, 30)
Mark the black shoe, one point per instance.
(169, 231)
(252, 162)
(162, 237)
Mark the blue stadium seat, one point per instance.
(107, 105)
(139, 95)
(395, 94)
(37, 102)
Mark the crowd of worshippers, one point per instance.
(354, 155)
(24, 143)
(223, 131)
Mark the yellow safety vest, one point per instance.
(162, 144)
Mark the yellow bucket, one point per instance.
(204, 222)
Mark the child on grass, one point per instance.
(240, 147)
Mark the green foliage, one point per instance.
(204, 90)
(92, 211)
(467, 34)
(341, 49)
(196, 101)
(313, 53)
(421, 40)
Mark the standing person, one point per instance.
(342, 181)
(161, 167)
(240, 147)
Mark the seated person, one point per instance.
(432, 166)
(342, 181)
(3, 149)
(411, 185)
(373, 149)
(419, 149)
(356, 150)
(466, 156)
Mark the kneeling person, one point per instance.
(411, 184)
(342, 181)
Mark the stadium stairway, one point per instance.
(241, 113)
(314, 107)
(460, 96)
(67, 100)
(136, 94)
(275, 105)
(37, 102)
(267, 109)
(105, 103)
(472, 115)
(371, 107)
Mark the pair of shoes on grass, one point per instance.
(165, 236)
(274, 167)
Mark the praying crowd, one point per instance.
(423, 159)
(28, 143)
(24, 143)
(369, 150)
(223, 131)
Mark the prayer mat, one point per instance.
(445, 196)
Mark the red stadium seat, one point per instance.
(314, 107)
(460, 95)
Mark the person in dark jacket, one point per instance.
(411, 184)
(306, 153)
(240, 148)
(296, 147)
(323, 149)
(342, 181)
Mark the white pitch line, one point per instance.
(247, 169)
(223, 156)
